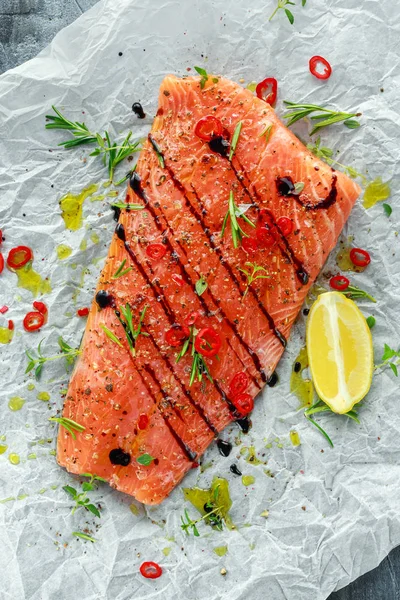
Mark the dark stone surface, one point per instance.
(26, 27)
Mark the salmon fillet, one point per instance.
(134, 402)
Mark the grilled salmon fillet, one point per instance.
(137, 400)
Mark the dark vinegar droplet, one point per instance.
(244, 424)
(104, 299)
(235, 470)
(119, 457)
(224, 447)
(306, 311)
(219, 145)
(138, 110)
(120, 231)
(117, 212)
(273, 380)
(136, 184)
(297, 367)
(285, 186)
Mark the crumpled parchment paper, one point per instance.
(333, 513)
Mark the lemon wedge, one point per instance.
(340, 353)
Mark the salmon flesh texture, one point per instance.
(131, 405)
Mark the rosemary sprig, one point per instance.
(320, 407)
(354, 293)
(120, 272)
(266, 132)
(199, 365)
(233, 214)
(37, 362)
(111, 153)
(68, 424)
(256, 273)
(125, 206)
(131, 332)
(387, 356)
(80, 132)
(81, 499)
(282, 5)
(235, 139)
(321, 116)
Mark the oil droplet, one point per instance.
(71, 207)
(315, 291)
(107, 184)
(199, 497)
(74, 266)
(10, 499)
(31, 456)
(251, 86)
(14, 459)
(134, 509)
(52, 453)
(94, 237)
(16, 403)
(251, 455)
(31, 386)
(63, 251)
(3, 438)
(42, 491)
(220, 550)
(30, 280)
(98, 198)
(170, 539)
(6, 335)
(43, 396)
(248, 480)
(3, 448)
(83, 245)
(376, 191)
(294, 438)
(22, 496)
(302, 388)
(54, 487)
(252, 546)
(166, 551)
(112, 194)
(343, 260)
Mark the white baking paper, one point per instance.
(333, 513)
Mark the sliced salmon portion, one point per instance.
(137, 401)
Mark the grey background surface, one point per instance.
(27, 26)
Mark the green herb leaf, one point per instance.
(201, 286)
(371, 321)
(84, 536)
(266, 132)
(235, 139)
(124, 206)
(68, 424)
(120, 271)
(324, 116)
(289, 16)
(387, 208)
(258, 272)
(394, 369)
(71, 491)
(93, 509)
(298, 188)
(145, 459)
(303, 2)
(351, 123)
(87, 487)
(204, 76)
(354, 293)
(326, 436)
(111, 335)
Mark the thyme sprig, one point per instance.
(111, 153)
(131, 332)
(282, 6)
(233, 214)
(235, 139)
(81, 499)
(387, 359)
(256, 273)
(321, 116)
(37, 361)
(326, 154)
(68, 424)
(120, 272)
(212, 517)
(354, 293)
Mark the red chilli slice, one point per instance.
(244, 403)
(150, 570)
(177, 335)
(267, 90)
(265, 237)
(207, 342)
(33, 321)
(18, 257)
(208, 128)
(1, 263)
(339, 283)
(143, 421)
(1, 237)
(82, 312)
(3, 310)
(41, 307)
(317, 61)
(192, 318)
(156, 251)
(10, 325)
(359, 257)
(239, 384)
(178, 280)
(285, 225)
